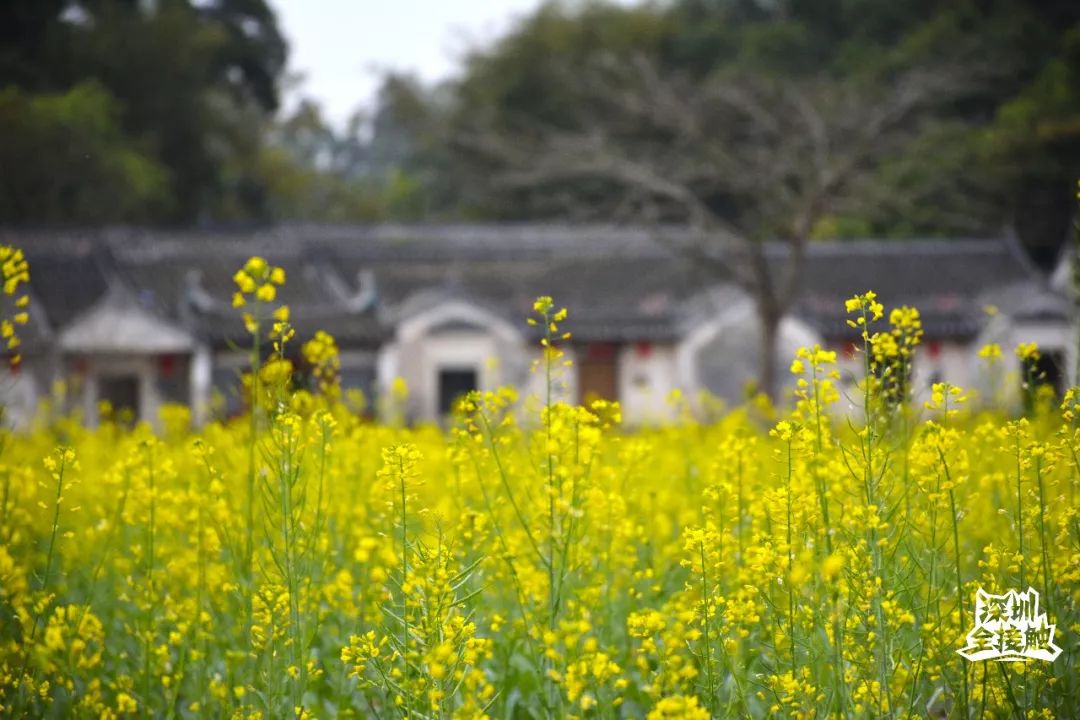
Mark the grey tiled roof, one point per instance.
(949, 281)
(618, 283)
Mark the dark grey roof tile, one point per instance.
(618, 283)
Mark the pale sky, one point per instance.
(339, 46)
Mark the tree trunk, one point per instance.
(770, 340)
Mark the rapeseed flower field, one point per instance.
(536, 559)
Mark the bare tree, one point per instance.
(748, 164)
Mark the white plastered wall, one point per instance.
(646, 377)
(145, 371)
(450, 336)
(19, 395)
(200, 383)
(564, 378)
(941, 361)
(458, 350)
(1000, 383)
(793, 333)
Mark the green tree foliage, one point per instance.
(368, 171)
(1034, 145)
(71, 162)
(183, 91)
(997, 155)
(183, 85)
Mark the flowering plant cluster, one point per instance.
(16, 272)
(539, 560)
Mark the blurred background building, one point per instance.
(137, 319)
(694, 179)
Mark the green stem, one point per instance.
(404, 582)
(1020, 507)
(791, 562)
(705, 625)
(253, 438)
(150, 529)
(823, 500)
(286, 472)
(1048, 583)
(49, 555)
(959, 586)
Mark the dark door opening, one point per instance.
(1049, 369)
(121, 392)
(453, 383)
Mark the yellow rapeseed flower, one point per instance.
(266, 293)
(1028, 352)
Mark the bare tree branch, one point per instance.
(743, 162)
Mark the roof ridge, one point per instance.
(939, 245)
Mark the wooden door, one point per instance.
(598, 373)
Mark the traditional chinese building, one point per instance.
(139, 318)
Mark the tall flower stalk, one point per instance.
(256, 287)
(878, 378)
(57, 465)
(674, 575)
(813, 396)
(549, 318)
